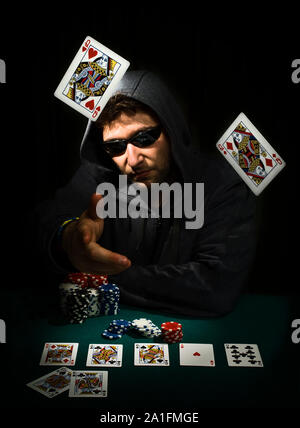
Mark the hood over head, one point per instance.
(146, 87)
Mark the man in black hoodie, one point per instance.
(157, 262)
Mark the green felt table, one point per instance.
(33, 318)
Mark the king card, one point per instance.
(243, 355)
(53, 383)
(59, 354)
(249, 153)
(151, 354)
(91, 78)
(196, 354)
(104, 355)
(85, 383)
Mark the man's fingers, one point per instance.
(107, 257)
(87, 253)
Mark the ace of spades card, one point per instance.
(250, 154)
(91, 78)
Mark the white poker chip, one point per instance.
(146, 327)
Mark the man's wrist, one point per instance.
(59, 245)
(63, 233)
(63, 226)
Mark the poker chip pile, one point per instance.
(86, 295)
(75, 306)
(171, 332)
(116, 329)
(146, 328)
(109, 297)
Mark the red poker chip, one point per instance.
(171, 326)
(86, 280)
(77, 278)
(97, 280)
(172, 338)
(171, 332)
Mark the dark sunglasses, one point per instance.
(141, 139)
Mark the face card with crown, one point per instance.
(91, 78)
(249, 153)
(59, 354)
(104, 355)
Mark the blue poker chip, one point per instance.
(110, 335)
(123, 325)
(110, 288)
(121, 322)
(118, 327)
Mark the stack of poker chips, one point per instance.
(81, 297)
(171, 332)
(109, 299)
(116, 329)
(75, 304)
(146, 328)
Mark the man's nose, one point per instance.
(134, 155)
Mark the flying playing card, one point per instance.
(59, 354)
(196, 354)
(53, 383)
(86, 383)
(249, 153)
(151, 354)
(93, 74)
(104, 355)
(243, 355)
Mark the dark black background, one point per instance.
(217, 66)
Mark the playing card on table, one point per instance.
(86, 383)
(53, 383)
(243, 355)
(196, 354)
(90, 79)
(151, 354)
(59, 354)
(249, 153)
(104, 355)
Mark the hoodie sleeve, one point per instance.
(212, 276)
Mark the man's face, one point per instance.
(147, 165)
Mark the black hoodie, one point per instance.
(197, 272)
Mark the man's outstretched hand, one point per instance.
(79, 241)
